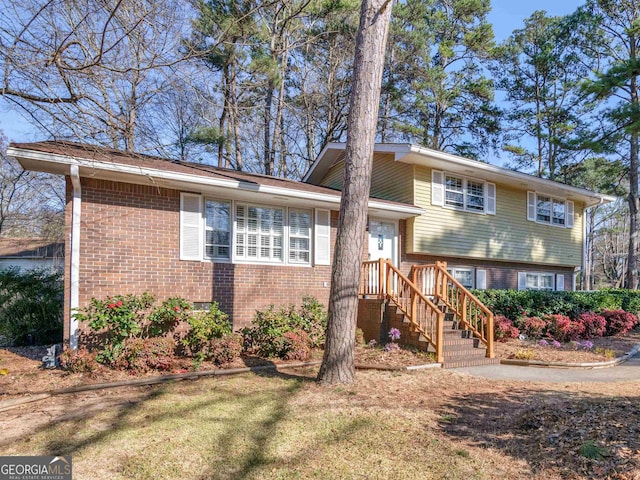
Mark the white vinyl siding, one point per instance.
(190, 226)
(549, 210)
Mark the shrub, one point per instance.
(222, 351)
(78, 361)
(139, 355)
(359, 337)
(297, 345)
(204, 327)
(619, 321)
(504, 328)
(313, 320)
(594, 325)
(533, 327)
(31, 304)
(562, 328)
(168, 315)
(120, 315)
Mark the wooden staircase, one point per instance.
(433, 311)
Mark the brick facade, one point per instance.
(130, 244)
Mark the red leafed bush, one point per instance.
(139, 355)
(533, 327)
(619, 321)
(78, 361)
(298, 346)
(563, 329)
(225, 350)
(504, 328)
(594, 325)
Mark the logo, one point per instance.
(35, 468)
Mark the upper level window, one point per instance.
(464, 194)
(217, 229)
(549, 210)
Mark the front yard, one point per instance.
(431, 424)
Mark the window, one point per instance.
(223, 230)
(449, 190)
(536, 281)
(550, 210)
(259, 233)
(217, 229)
(462, 275)
(299, 235)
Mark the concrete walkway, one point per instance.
(628, 371)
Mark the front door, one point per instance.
(382, 240)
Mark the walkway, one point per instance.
(626, 372)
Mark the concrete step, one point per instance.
(459, 363)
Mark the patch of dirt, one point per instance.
(25, 375)
(605, 348)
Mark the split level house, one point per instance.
(138, 223)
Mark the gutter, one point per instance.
(74, 301)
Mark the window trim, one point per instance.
(532, 210)
(439, 192)
(258, 261)
(204, 230)
(522, 285)
(317, 233)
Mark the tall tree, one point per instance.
(338, 363)
(539, 68)
(88, 69)
(437, 92)
(617, 24)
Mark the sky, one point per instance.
(506, 16)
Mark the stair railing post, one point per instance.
(440, 337)
(490, 353)
(381, 278)
(414, 307)
(388, 273)
(463, 307)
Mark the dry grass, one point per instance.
(423, 425)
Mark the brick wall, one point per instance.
(130, 244)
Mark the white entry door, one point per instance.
(382, 240)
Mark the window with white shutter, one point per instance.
(437, 187)
(190, 226)
(481, 279)
(461, 193)
(546, 209)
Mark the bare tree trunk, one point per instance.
(338, 363)
(632, 260)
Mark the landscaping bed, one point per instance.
(603, 349)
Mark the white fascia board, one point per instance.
(198, 182)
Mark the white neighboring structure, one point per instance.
(31, 253)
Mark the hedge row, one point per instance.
(514, 304)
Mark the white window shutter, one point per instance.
(322, 241)
(522, 280)
(481, 279)
(491, 198)
(560, 282)
(437, 187)
(569, 214)
(531, 206)
(190, 226)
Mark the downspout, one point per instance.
(75, 256)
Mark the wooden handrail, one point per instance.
(471, 312)
(383, 280)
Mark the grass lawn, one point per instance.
(422, 425)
